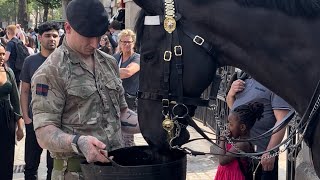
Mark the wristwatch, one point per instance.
(74, 144)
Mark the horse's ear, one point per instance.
(152, 7)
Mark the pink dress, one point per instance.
(230, 171)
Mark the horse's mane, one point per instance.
(138, 28)
(303, 8)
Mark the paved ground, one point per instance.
(198, 168)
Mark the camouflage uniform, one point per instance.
(66, 94)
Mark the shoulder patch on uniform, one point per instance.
(42, 89)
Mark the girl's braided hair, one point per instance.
(249, 113)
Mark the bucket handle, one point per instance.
(111, 160)
(114, 163)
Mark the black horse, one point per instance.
(275, 41)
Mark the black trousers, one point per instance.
(33, 155)
(268, 175)
(7, 139)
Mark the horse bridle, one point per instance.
(174, 50)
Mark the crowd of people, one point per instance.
(77, 98)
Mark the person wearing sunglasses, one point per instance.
(129, 64)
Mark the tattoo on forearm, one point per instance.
(54, 139)
(83, 145)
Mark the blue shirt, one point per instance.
(256, 92)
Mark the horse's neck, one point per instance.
(281, 52)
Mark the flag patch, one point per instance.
(42, 89)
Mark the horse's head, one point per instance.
(176, 67)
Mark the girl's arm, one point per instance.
(229, 157)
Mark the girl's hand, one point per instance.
(225, 133)
(20, 134)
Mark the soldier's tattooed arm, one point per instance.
(55, 140)
(52, 138)
(129, 121)
(92, 149)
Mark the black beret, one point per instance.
(87, 17)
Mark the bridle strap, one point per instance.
(185, 100)
(166, 76)
(198, 129)
(201, 42)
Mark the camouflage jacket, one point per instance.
(68, 95)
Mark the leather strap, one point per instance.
(75, 141)
(186, 100)
(201, 42)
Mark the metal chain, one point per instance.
(287, 145)
(314, 109)
(177, 133)
(270, 155)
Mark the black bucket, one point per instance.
(138, 163)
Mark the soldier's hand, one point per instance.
(91, 149)
(236, 86)
(267, 163)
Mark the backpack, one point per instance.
(22, 53)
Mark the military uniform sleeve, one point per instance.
(48, 96)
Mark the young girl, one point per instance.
(241, 120)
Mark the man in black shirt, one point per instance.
(49, 38)
(11, 52)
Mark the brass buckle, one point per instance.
(167, 55)
(198, 40)
(169, 24)
(165, 102)
(178, 50)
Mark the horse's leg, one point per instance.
(315, 146)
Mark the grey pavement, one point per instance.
(198, 167)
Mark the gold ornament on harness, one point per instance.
(168, 125)
(169, 24)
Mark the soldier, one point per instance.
(77, 95)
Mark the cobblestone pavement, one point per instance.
(198, 168)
